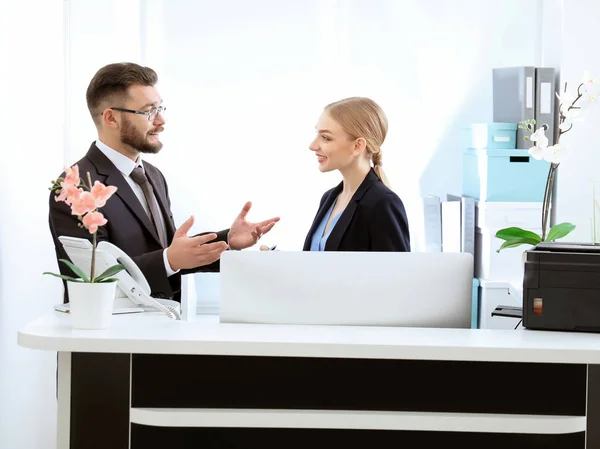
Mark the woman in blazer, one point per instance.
(361, 213)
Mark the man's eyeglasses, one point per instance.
(151, 114)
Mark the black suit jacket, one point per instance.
(374, 220)
(128, 227)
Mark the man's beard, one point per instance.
(135, 139)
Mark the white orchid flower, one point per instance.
(588, 79)
(537, 153)
(554, 153)
(539, 136)
(591, 87)
(548, 154)
(590, 94)
(541, 143)
(565, 100)
(570, 117)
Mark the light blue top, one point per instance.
(319, 238)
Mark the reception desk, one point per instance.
(149, 382)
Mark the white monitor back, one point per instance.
(347, 288)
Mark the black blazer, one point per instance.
(128, 227)
(374, 220)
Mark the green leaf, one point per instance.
(109, 272)
(78, 271)
(515, 233)
(62, 276)
(516, 242)
(107, 280)
(559, 231)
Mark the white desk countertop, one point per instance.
(154, 333)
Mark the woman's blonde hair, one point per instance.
(362, 117)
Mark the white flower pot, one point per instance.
(91, 304)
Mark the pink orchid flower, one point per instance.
(102, 193)
(92, 220)
(83, 204)
(72, 176)
(68, 193)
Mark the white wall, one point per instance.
(581, 33)
(31, 88)
(242, 105)
(99, 33)
(34, 148)
(242, 109)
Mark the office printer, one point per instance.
(561, 287)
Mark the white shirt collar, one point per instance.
(122, 162)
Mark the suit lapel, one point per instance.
(338, 231)
(115, 178)
(321, 214)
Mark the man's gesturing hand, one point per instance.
(244, 234)
(190, 252)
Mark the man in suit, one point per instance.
(128, 113)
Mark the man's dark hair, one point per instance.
(111, 84)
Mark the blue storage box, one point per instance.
(475, 305)
(504, 175)
(493, 136)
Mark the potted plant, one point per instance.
(570, 108)
(91, 295)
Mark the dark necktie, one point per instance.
(141, 179)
